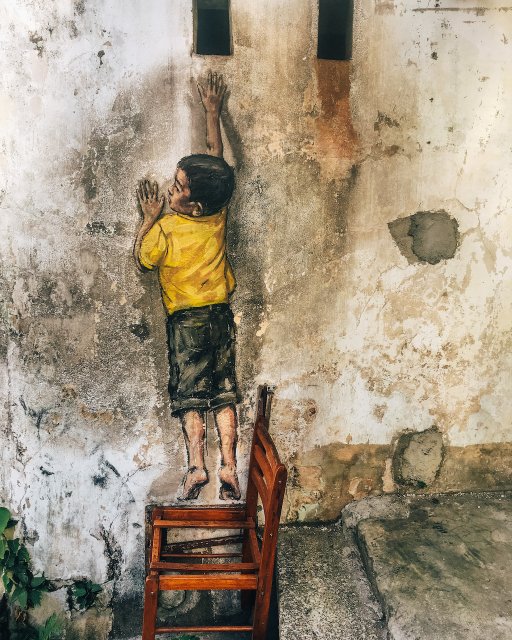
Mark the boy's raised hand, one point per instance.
(150, 203)
(212, 92)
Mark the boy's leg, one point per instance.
(192, 423)
(226, 422)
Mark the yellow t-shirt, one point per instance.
(190, 254)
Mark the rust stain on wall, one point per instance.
(324, 480)
(384, 7)
(476, 467)
(334, 138)
(327, 478)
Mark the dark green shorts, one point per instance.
(202, 358)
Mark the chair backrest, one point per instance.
(264, 402)
(267, 474)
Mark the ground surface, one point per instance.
(444, 571)
(323, 591)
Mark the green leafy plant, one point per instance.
(24, 590)
(50, 630)
(22, 587)
(82, 595)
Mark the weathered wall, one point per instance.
(392, 333)
(366, 325)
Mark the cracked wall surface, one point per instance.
(363, 340)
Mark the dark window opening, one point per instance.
(213, 34)
(335, 29)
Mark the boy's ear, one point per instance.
(198, 210)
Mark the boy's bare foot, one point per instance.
(192, 483)
(229, 489)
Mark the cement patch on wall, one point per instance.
(426, 236)
(418, 457)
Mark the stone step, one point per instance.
(442, 566)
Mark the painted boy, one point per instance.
(188, 247)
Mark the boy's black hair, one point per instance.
(211, 181)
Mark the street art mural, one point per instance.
(369, 233)
(187, 245)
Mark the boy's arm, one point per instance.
(151, 206)
(212, 95)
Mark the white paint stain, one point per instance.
(263, 327)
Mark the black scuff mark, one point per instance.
(112, 468)
(90, 164)
(20, 449)
(98, 227)
(114, 555)
(31, 536)
(100, 480)
(73, 29)
(39, 419)
(100, 54)
(45, 472)
(37, 41)
(80, 7)
(37, 416)
(384, 120)
(140, 330)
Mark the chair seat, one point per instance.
(185, 523)
(220, 512)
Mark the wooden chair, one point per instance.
(176, 567)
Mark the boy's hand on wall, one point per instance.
(212, 93)
(150, 203)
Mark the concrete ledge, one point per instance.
(441, 565)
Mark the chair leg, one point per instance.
(247, 596)
(260, 616)
(150, 607)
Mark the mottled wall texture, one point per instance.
(370, 234)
